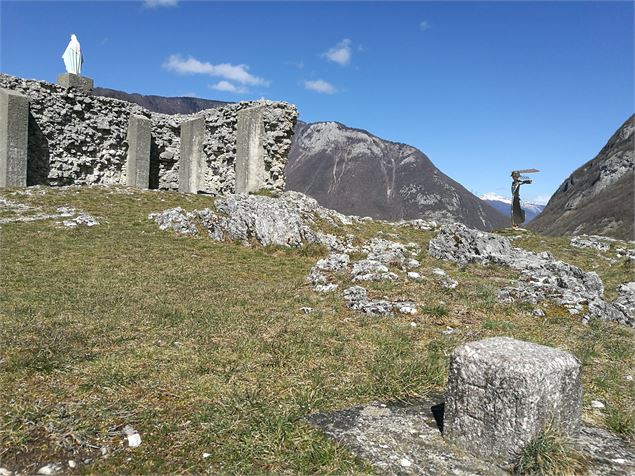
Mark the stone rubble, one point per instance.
(446, 281)
(288, 220)
(542, 276)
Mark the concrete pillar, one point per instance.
(192, 155)
(70, 80)
(139, 139)
(14, 127)
(502, 393)
(250, 151)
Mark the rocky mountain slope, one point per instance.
(598, 197)
(354, 172)
(163, 105)
(503, 205)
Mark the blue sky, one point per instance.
(480, 87)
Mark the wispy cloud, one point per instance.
(320, 86)
(238, 73)
(160, 3)
(424, 25)
(228, 87)
(340, 53)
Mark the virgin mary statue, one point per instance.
(72, 56)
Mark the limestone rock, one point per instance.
(502, 392)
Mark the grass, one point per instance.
(550, 454)
(202, 347)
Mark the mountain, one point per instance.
(598, 198)
(165, 105)
(357, 173)
(503, 205)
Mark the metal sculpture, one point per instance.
(518, 214)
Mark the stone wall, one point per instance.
(78, 138)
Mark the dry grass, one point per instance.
(202, 346)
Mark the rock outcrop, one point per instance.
(596, 199)
(357, 173)
(543, 278)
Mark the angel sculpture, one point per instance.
(518, 214)
(72, 57)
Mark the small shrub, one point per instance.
(550, 453)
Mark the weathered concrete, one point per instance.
(14, 128)
(192, 155)
(70, 80)
(139, 141)
(250, 151)
(502, 392)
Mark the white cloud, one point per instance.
(232, 72)
(228, 87)
(424, 25)
(320, 86)
(160, 3)
(340, 53)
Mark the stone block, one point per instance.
(14, 128)
(70, 80)
(139, 142)
(502, 392)
(250, 151)
(192, 156)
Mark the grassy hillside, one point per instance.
(202, 346)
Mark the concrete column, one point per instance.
(250, 151)
(192, 155)
(138, 164)
(14, 127)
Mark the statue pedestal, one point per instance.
(70, 80)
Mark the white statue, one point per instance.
(72, 56)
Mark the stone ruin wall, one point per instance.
(76, 137)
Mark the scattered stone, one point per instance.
(334, 262)
(405, 307)
(414, 275)
(599, 243)
(356, 298)
(449, 330)
(206, 455)
(413, 324)
(371, 270)
(527, 385)
(50, 469)
(175, 219)
(134, 438)
(391, 253)
(538, 312)
(5, 472)
(325, 288)
(84, 219)
(420, 224)
(406, 463)
(543, 277)
(72, 464)
(625, 301)
(629, 378)
(597, 404)
(446, 281)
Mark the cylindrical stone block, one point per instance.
(250, 151)
(502, 393)
(14, 128)
(192, 155)
(139, 142)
